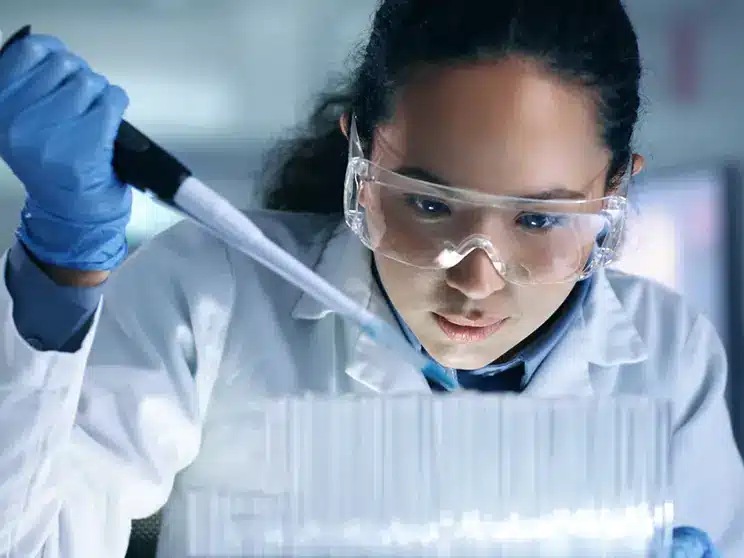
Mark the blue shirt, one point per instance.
(68, 311)
(514, 373)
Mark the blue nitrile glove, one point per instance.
(688, 542)
(58, 122)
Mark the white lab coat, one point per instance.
(190, 329)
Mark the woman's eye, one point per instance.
(428, 206)
(540, 221)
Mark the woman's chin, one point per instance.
(459, 357)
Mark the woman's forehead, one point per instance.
(507, 122)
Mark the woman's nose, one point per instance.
(475, 276)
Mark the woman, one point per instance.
(507, 124)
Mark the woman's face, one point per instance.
(505, 128)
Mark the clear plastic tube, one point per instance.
(461, 475)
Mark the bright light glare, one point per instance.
(653, 249)
(638, 524)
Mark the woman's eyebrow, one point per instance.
(417, 173)
(558, 193)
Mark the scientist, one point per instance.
(491, 148)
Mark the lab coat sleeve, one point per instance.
(708, 471)
(92, 439)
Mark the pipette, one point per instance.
(143, 164)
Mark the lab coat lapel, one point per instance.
(377, 368)
(612, 335)
(346, 264)
(565, 371)
(587, 359)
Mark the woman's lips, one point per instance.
(461, 330)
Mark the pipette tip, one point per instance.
(436, 373)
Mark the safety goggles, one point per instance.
(431, 226)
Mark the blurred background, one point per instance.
(217, 82)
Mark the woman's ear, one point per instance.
(343, 123)
(638, 163)
(616, 182)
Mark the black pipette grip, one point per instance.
(142, 163)
(138, 161)
(23, 32)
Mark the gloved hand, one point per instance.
(688, 542)
(58, 122)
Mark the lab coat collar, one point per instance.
(605, 335)
(612, 337)
(602, 338)
(345, 264)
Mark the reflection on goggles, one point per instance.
(435, 227)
